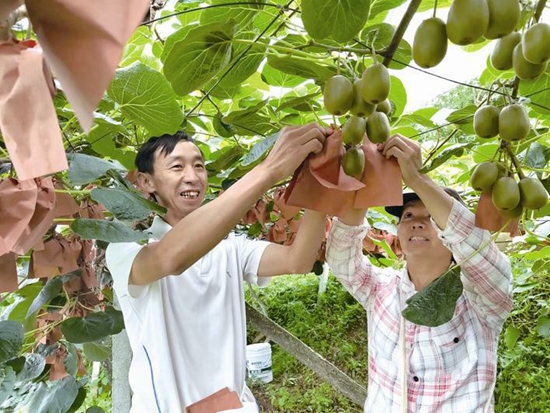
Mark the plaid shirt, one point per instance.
(450, 368)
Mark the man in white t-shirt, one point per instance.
(182, 293)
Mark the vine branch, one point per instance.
(398, 35)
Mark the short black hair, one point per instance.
(409, 197)
(145, 158)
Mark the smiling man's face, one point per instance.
(417, 233)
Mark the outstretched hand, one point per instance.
(408, 155)
(294, 144)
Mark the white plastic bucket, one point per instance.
(258, 362)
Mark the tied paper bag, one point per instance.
(216, 402)
(321, 184)
(488, 217)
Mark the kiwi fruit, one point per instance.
(353, 162)
(338, 95)
(386, 107)
(502, 54)
(359, 107)
(536, 43)
(505, 193)
(512, 213)
(484, 176)
(430, 43)
(513, 123)
(532, 193)
(353, 130)
(378, 127)
(524, 69)
(486, 121)
(503, 18)
(467, 21)
(375, 83)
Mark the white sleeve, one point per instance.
(250, 253)
(119, 258)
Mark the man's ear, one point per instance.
(145, 182)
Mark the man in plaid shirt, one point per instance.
(450, 368)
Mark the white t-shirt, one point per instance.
(187, 332)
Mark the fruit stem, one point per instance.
(435, 8)
(514, 160)
(398, 35)
(538, 11)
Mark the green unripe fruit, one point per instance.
(375, 83)
(430, 43)
(386, 107)
(536, 43)
(484, 176)
(503, 18)
(353, 162)
(513, 123)
(502, 54)
(524, 69)
(486, 121)
(338, 95)
(353, 130)
(532, 193)
(378, 127)
(512, 213)
(359, 107)
(467, 21)
(505, 193)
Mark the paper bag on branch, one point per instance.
(27, 115)
(321, 184)
(8, 273)
(83, 42)
(488, 217)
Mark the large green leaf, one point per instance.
(243, 15)
(341, 20)
(55, 396)
(453, 150)
(259, 149)
(50, 290)
(300, 67)
(84, 169)
(7, 383)
(435, 304)
(199, 57)
(108, 231)
(380, 6)
(92, 327)
(305, 103)
(398, 95)
(146, 98)
(11, 339)
(125, 204)
(250, 122)
(543, 326)
(34, 366)
(511, 336)
(227, 157)
(96, 351)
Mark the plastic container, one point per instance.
(258, 362)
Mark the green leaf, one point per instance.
(249, 122)
(108, 231)
(126, 204)
(92, 327)
(223, 129)
(341, 20)
(302, 68)
(464, 116)
(84, 169)
(398, 95)
(54, 397)
(96, 351)
(146, 98)
(34, 366)
(11, 339)
(305, 103)
(7, 383)
(435, 304)
(79, 400)
(380, 6)
(199, 57)
(259, 149)
(95, 409)
(485, 152)
(538, 156)
(538, 90)
(543, 326)
(243, 15)
(50, 290)
(454, 150)
(71, 360)
(275, 77)
(511, 336)
(16, 364)
(228, 156)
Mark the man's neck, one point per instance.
(423, 270)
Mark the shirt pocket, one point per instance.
(452, 346)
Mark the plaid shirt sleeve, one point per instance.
(347, 262)
(486, 272)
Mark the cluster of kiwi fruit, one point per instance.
(469, 21)
(509, 197)
(367, 101)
